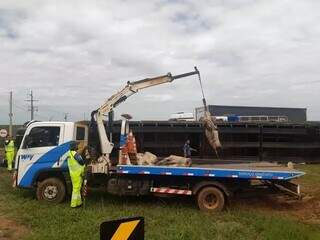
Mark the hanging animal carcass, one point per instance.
(211, 131)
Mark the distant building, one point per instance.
(255, 114)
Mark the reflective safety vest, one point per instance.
(74, 167)
(10, 146)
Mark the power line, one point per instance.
(34, 109)
(16, 105)
(19, 107)
(64, 114)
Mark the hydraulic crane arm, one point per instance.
(119, 97)
(133, 87)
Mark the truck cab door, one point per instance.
(41, 148)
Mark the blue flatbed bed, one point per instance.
(260, 171)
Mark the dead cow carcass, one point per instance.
(146, 158)
(176, 161)
(211, 131)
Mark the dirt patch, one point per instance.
(10, 230)
(306, 210)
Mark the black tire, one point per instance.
(211, 199)
(51, 190)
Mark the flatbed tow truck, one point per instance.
(41, 164)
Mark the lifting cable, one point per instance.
(203, 97)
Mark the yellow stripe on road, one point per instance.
(124, 230)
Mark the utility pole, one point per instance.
(10, 115)
(65, 117)
(32, 107)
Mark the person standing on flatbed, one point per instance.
(187, 149)
(76, 170)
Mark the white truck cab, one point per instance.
(43, 150)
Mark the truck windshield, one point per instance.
(42, 137)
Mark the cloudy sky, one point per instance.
(75, 54)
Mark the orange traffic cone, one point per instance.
(134, 145)
(132, 148)
(123, 156)
(130, 142)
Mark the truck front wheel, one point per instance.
(211, 199)
(51, 190)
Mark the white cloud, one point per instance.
(75, 54)
(158, 97)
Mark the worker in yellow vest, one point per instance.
(76, 170)
(9, 149)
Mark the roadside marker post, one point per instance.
(123, 229)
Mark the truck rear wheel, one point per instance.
(210, 199)
(51, 190)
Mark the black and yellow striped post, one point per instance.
(123, 229)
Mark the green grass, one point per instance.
(310, 182)
(164, 219)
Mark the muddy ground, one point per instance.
(10, 230)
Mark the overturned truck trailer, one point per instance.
(281, 142)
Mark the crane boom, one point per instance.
(119, 97)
